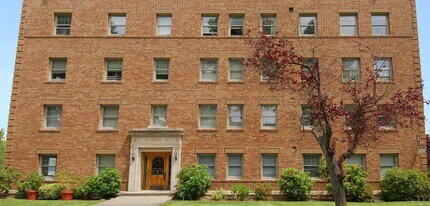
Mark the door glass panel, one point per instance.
(157, 166)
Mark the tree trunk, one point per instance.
(336, 181)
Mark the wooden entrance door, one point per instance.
(157, 170)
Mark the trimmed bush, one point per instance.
(219, 194)
(263, 191)
(32, 182)
(240, 192)
(405, 185)
(193, 182)
(8, 175)
(295, 184)
(356, 187)
(105, 185)
(50, 191)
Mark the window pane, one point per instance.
(208, 122)
(118, 20)
(269, 121)
(111, 123)
(379, 20)
(269, 160)
(58, 64)
(53, 111)
(114, 64)
(268, 21)
(348, 30)
(379, 30)
(160, 110)
(64, 19)
(269, 171)
(207, 160)
(210, 21)
(111, 111)
(307, 24)
(235, 160)
(236, 21)
(164, 20)
(357, 159)
(164, 30)
(269, 110)
(389, 160)
(348, 20)
(207, 110)
(311, 160)
(106, 160)
(235, 171)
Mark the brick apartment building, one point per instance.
(149, 87)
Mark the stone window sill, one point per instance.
(55, 82)
(206, 130)
(269, 130)
(49, 130)
(235, 82)
(235, 130)
(111, 82)
(107, 130)
(208, 82)
(160, 82)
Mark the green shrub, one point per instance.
(105, 185)
(219, 194)
(8, 175)
(405, 185)
(50, 191)
(263, 191)
(78, 189)
(32, 182)
(240, 192)
(356, 187)
(193, 182)
(295, 184)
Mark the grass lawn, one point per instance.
(285, 203)
(23, 202)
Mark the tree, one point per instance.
(2, 146)
(373, 106)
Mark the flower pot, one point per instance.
(67, 194)
(32, 194)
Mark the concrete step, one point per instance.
(148, 193)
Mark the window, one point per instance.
(209, 161)
(311, 164)
(358, 159)
(58, 69)
(350, 69)
(210, 25)
(235, 166)
(110, 117)
(269, 166)
(117, 24)
(380, 24)
(113, 69)
(48, 166)
(268, 24)
(209, 70)
(235, 116)
(386, 122)
(161, 69)
(159, 115)
(310, 63)
(235, 70)
(348, 24)
(236, 25)
(383, 69)
(350, 110)
(63, 23)
(308, 25)
(387, 161)
(306, 117)
(208, 116)
(53, 116)
(105, 161)
(164, 23)
(269, 116)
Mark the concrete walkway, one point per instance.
(150, 200)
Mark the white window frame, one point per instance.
(106, 166)
(396, 155)
(62, 26)
(51, 69)
(303, 164)
(217, 26)
(300, 24)
(362, 159)
(237, 26)
(389, 62)
(348, 69)
(209, 166)
(103, 117)
(158, 69)
(41, 166)
(348, 25)
(262, 115)
(230, 70)
(228, 167)
(303, 116)
(202, 69)
(153, 115)
(164, 26)
(110, 24)
(58, 116)
(229, 126)
(107, 70)
(262, 167)
(263, 16)
(387, 26)
(208, 115)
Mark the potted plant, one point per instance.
(68, 182)
(32, 183)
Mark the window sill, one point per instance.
(317, 179)
(49, 130)
(111, 82)
(235, 130)
(274, 179)
(235, 82)
(306, 129)
(207, 130)
(307, 35)
(116, 35)
(232, 179)
(208, 82)
(107, 130)
(384, 81)
(160, 82)
(157, 127)
(351, 81)
(55, 82)
(387, 129)
(269, 130)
